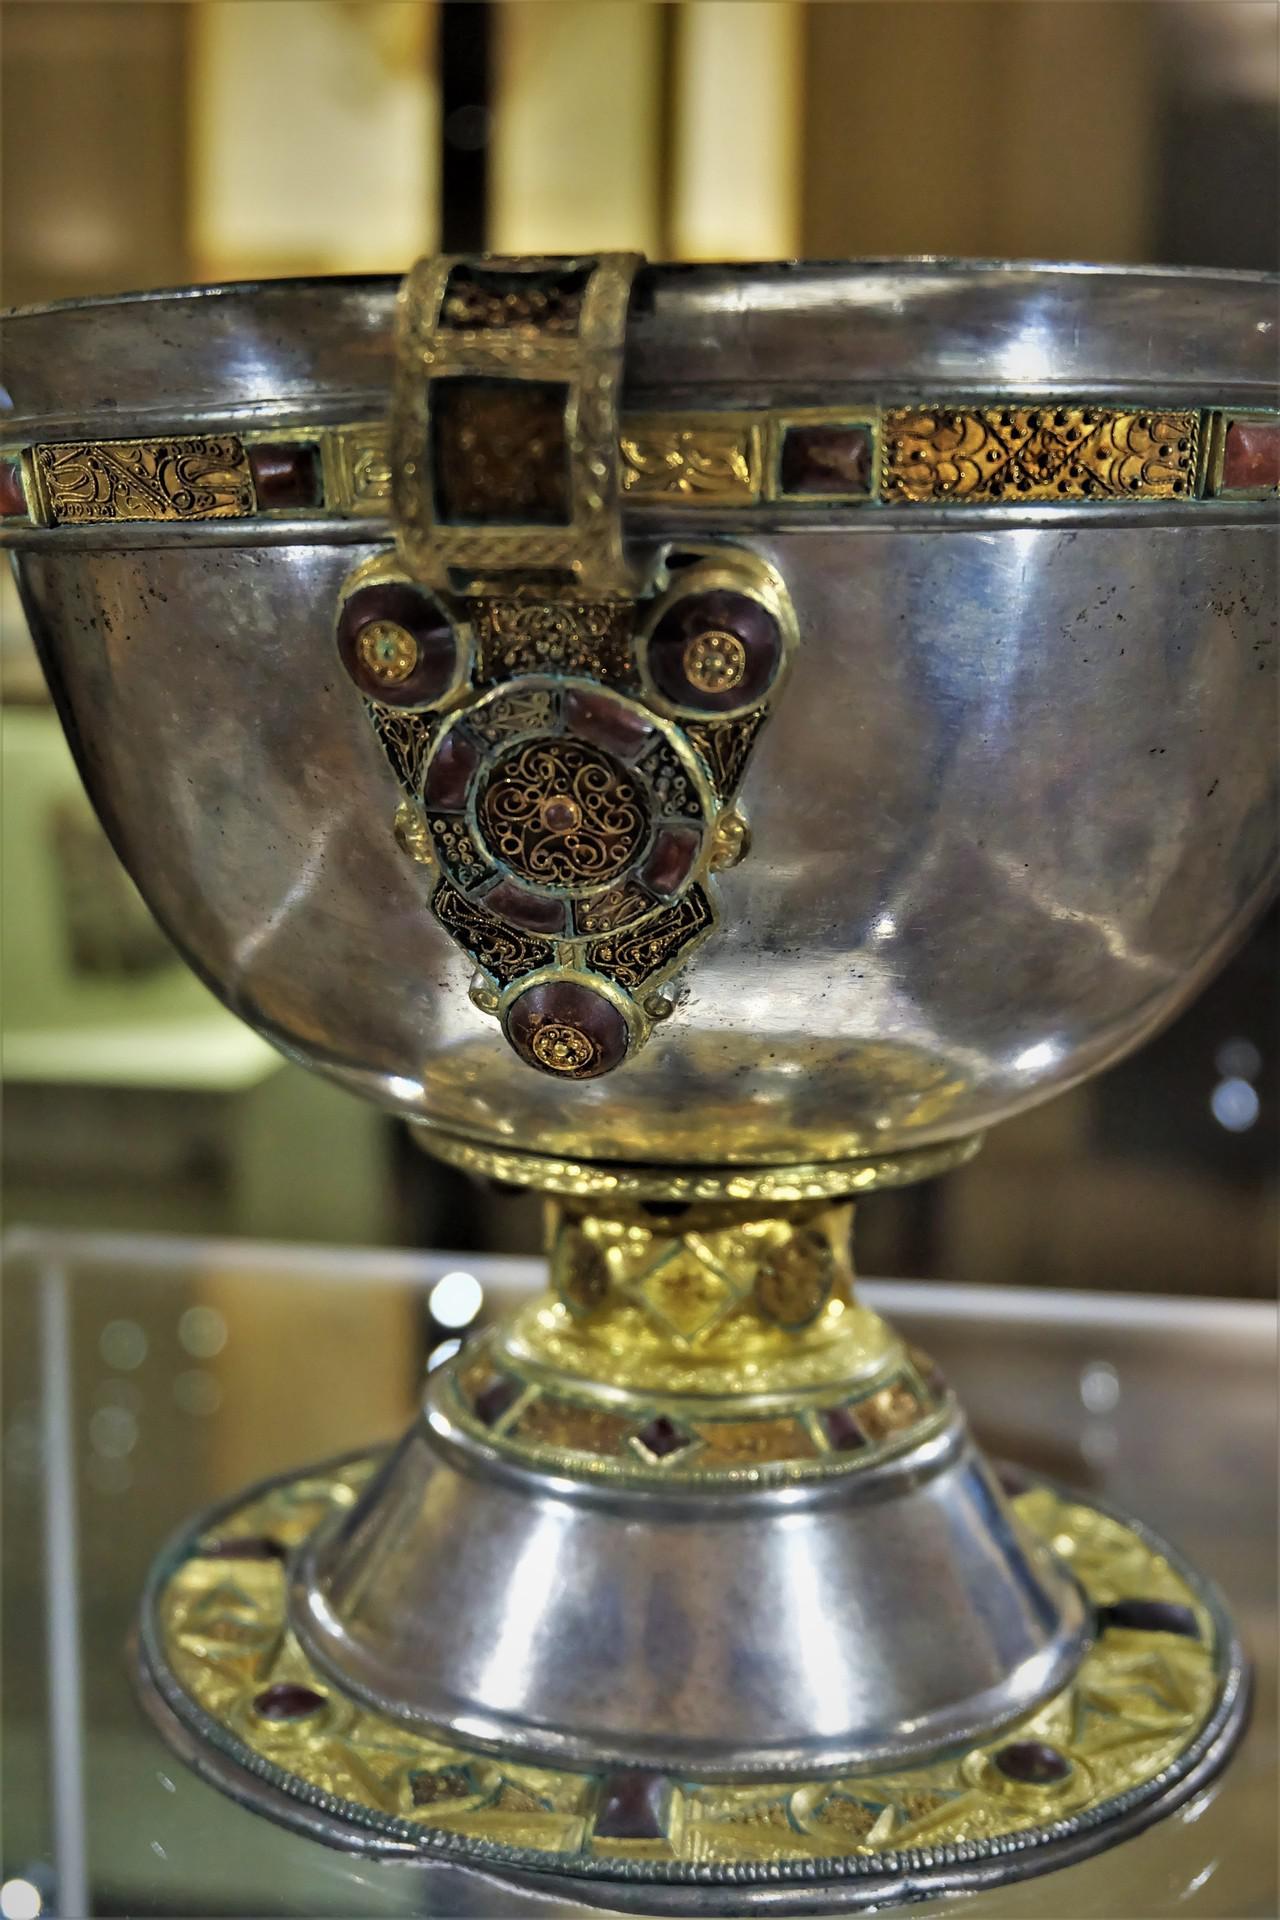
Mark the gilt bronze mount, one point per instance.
(702, 744)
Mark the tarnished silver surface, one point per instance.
(874, 1618)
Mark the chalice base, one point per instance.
(1151, 1713)
(689, 1591)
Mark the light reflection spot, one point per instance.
(113, 1432)
(20, 1900)
(1234, 1104)
(203, 1332)
(123, 1344)
(455, 1299)
(1099, 1386)
(197, 1392)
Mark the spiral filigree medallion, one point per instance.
(561, 813)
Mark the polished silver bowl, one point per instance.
(1016, 801)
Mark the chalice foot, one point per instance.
(689, 1591)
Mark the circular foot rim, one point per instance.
(214, 1667)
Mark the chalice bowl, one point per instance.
(702, 743)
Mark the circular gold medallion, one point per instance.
(561, 1048)
(715, 661)
(387, 651)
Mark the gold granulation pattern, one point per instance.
(388, 652)
(562, 1048)
(591, 638)
(455, 848)
(752, 1443)
(568, 1427)
(1134, 1708)
(714, 661)
(794, 1279)
(500, 452)
(1037, 453)
(668, 777)
(476, 300)
(895, 1409)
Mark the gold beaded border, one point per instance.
(601, 1180)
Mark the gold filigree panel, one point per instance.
(562, 813)
(630, 958)
(709, 460)
(1012, 453)
(87, 482)
(357, 467)
(502, 950)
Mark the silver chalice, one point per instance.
(704, 743)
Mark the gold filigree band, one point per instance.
(856, 457)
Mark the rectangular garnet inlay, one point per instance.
(826, 457)
(286, 473)
(13, 499)
(1251, 455)
(500, 452)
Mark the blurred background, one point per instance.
(221, 141)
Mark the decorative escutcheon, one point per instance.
(570, 728)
